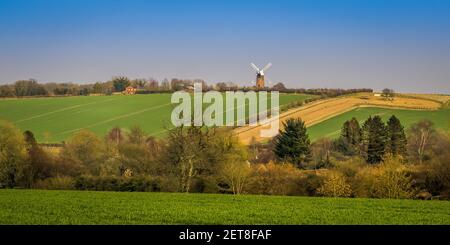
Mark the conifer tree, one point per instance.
(374, 139)
(350, 139)
(396, 138)
(293, 144)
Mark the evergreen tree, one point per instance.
(120, 83)
(374, 139)
(29, 138)
(396, 138)
(352, 131)
(293, 144)
(350, 139)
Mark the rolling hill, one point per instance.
(54, 119)
(322, 110)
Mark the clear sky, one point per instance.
(400, 44)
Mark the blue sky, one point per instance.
(400, 44)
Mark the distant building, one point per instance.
(189, 88)
(130, 90)
(377, 95)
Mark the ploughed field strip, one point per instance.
(85, 207)
(53, 120)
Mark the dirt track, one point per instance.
(319, 111)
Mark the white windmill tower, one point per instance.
(260, 75)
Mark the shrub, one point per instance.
(111, 183)
(393, 183)
(364, 182)
(168, 183)
(55, 183)
(83, 154)
(350, 167)
(387, 180)
(14, 167)
(203, 184)
(309, 183)
(335, 185)
(274, 179)
(235, 174)
(434, 176)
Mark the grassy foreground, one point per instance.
(83, 207)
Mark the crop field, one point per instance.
(331, 127)
(84, 207)
(441, 97)
(54, 119)
(322, 110)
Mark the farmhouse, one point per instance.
(189, 88)
(130, 90)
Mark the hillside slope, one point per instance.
(331, 127)
(322, 110)
(54, 119)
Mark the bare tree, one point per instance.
(153, 84)
(419, 140)
(139, 83)
(115, 135)
(184, 152)
(165, 85)
(235, 174)
(388, 94)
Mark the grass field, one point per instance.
(83, 207)
(331, 127)
(55, 119)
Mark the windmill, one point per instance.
(260, 75)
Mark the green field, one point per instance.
(331, 127)
(55, 119)
(84, 207)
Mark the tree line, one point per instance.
(373, 141)
(31, 87)
(374, 159)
